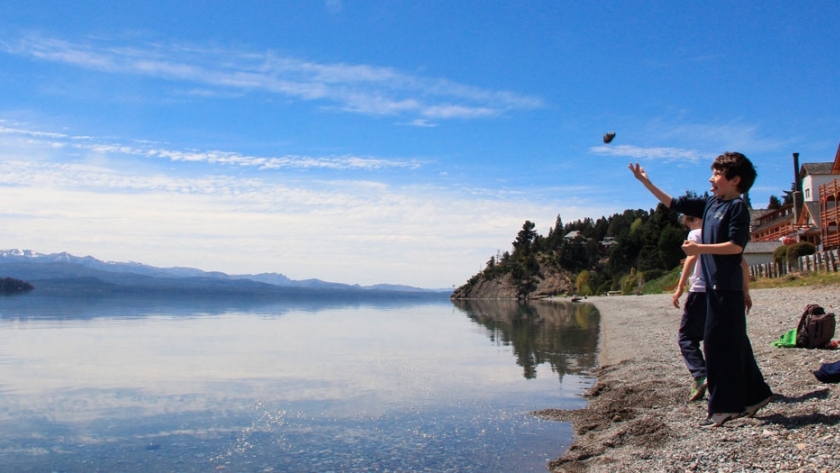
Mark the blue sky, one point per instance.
(393, 141)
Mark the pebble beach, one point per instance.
(638, 417)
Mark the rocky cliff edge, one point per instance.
(548, 282)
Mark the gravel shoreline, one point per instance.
(637, 418)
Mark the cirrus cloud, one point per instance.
(353, 88)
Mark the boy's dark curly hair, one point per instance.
(733, 164)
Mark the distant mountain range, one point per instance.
(63, 273)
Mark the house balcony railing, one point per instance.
(779, 232)
(830, 214)
(830, 190)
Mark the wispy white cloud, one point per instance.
(31, 133)
(334, 6)
(356, 88)
(652, 153)
(420, 123)
(696, 143)
(213, 157)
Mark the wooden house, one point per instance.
(814, 216)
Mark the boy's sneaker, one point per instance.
(698, 389)
(717, 420)
(751, 410)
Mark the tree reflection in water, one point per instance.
(562, 334)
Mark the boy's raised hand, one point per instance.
(638, 172)
(642, 176)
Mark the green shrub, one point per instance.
(652, 274)
(582, 284)
(632, 282)
(803, 248)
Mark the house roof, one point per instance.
(755, 214)
(775, 223)
(572, 234)
(816, 169)
(756, 247)
(810, 215)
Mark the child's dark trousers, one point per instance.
(735, 381)
(692, 327)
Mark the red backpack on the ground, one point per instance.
(816, 328)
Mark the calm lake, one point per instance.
(139, 385)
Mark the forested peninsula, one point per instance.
(10, 286)
(583, 257)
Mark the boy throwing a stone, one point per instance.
(735, 383)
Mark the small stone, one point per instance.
(801, 446)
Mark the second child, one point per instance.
(693, 320)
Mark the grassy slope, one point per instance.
(668, 282)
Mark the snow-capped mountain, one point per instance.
(31, 265)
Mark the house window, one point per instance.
(808, 194)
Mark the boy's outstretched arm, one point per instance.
(642, 176)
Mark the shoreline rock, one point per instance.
(548, 282)
(638, 419)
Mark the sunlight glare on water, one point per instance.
(120, 385)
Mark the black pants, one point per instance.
(735, 381)
(692, 327)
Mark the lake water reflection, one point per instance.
(225, 385)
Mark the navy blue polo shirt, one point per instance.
(723, 221)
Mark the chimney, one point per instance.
(797, 190)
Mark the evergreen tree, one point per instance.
(524, 238)
(601, 226)
(670, 246)
(555, 235)
(491, 263)
(788, 200)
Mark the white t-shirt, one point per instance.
(695, 281)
